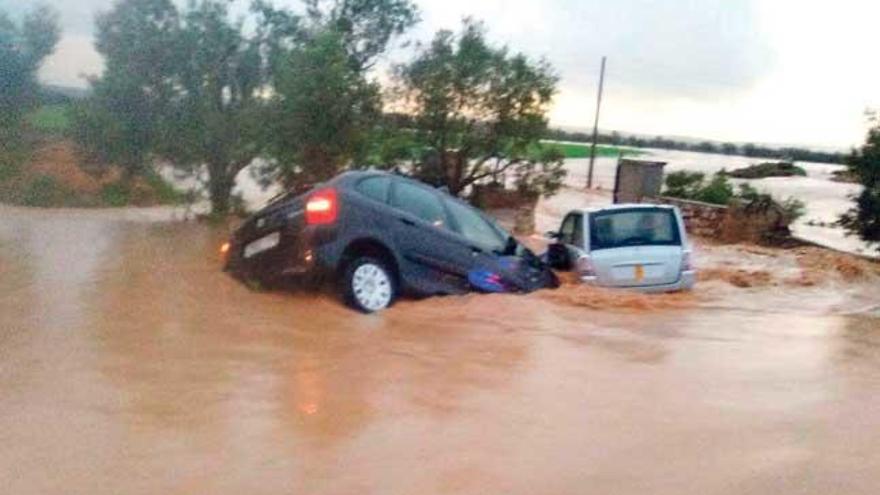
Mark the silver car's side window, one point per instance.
(572, 231)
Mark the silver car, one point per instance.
(634, 246)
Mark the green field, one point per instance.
(51, 119)
(576, 150)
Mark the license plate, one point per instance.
(262, 244)
(639, 273)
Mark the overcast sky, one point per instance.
(768, 71)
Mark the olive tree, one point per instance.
(480, 112)
(864, 164)
(325, 106)
(119, 123)
(185, 86)
(216, 116)
(23, 48)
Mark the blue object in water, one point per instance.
(486, 281)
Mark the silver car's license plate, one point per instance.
(262, 244)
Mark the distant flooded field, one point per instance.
(825, 200)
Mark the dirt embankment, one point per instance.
(55, 176)
(59, 161)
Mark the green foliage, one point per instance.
(768, 169)
(164, 191)
(864, 164)
(181, 85)
(718, 191)
(45, 191)
(794, 208)
(51, 119)
(683, 184)
(120, 123)
(217, 115)
(116, 194)
(615, 138)
(151, 188)
(23, 47)
(693, 185)
(364, 27)
(791, 208)
(480, 112)
(324, 111)
(574, 150)
(390, 145)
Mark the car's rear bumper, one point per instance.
(686, 281)
(297, 256)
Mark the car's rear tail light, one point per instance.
(584, 266)
(322, 207)
(687, 263)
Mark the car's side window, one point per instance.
(572, 230)
(420, 202)
(474, 227)
(375, 188)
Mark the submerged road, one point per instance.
(130, 364)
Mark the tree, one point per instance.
(184, 86)
(325, 109)
(729, 149)
(23, 48)
(365, 27)
(480, 112)
(864, 164)
(216, 115)
(120, 122)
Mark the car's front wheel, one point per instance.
(368, 285)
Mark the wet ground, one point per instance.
(130, 364)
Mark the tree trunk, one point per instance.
(219, 191)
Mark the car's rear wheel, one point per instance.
(368, 284)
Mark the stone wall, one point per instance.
(701, 219)
(732, 224)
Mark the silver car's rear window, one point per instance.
(634, 227)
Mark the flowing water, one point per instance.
(130, 364)
(825, 199)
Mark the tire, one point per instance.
(368, 284)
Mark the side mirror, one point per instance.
(552, 235)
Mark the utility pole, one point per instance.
(596, 125)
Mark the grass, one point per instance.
(575, 150)
(51, 119)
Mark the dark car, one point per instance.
(381, 235)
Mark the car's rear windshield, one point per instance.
(634, 227)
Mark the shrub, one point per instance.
(115, 194)
(45, 191)
(769, 169)
(683, 184)
(718, 191)
(692, 185)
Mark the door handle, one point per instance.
(407, 221)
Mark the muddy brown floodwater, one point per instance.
(130, 364)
